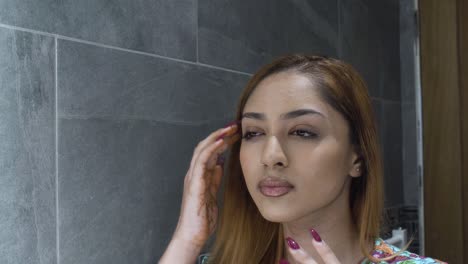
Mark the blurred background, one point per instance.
(102, 103)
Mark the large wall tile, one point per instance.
(27, 148)
(243, 35)
(408, 39)
(392, 139)
(411, 181)
(164, 27)
(127, 122)
(103, 82)
(380, 119)
(377, 105)
(121, 184)
(370, 41)
(388, 116)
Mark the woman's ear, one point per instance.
(356, 166)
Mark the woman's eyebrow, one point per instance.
(288, 115)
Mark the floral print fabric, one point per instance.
(381, 250)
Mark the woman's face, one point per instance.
(310, 151)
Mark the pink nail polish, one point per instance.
(283, 261)
(315, 235)
(292, 244)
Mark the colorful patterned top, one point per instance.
(381, 250)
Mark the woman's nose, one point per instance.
(273, 154)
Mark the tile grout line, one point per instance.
(57, 238)
(223, 69)
(149, 54)
(27, 30)
(137, 119)
(123, 49)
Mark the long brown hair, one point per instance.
(243, 235)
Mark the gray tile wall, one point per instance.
(27, 148)
(411, 182)
(167, 28)
(127, 130)
(244, 35)
(408, 40)
(370, 41)
(102, 103)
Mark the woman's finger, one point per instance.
(232, 138)
(228, 140)
(228, 130)
(228, 137)
(211, 139)
(213, 159)
(298, 254)
(323, 249)
(218, 154)
(208, 140)
(204, 158)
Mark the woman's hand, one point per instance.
(199, 208)
(300, 256)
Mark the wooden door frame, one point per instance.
(444, 80)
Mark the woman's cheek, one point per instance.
(320, 177)
(247, 166)
(243, 160)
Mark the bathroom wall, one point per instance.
(102, 104)
(411, 213)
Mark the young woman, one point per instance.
(304, 182)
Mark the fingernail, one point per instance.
(292, 244)
(221, 136)
(283, 261)
(315, 235)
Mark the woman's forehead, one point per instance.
(286, 82)
(285, 92)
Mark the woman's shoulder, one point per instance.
(383, 250)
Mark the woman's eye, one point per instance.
(304, 133)
(299, 132)
(248, 135)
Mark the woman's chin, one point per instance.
(275, 215)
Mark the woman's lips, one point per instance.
(275, 191)
(274, 187)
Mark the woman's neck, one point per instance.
(334, 223)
